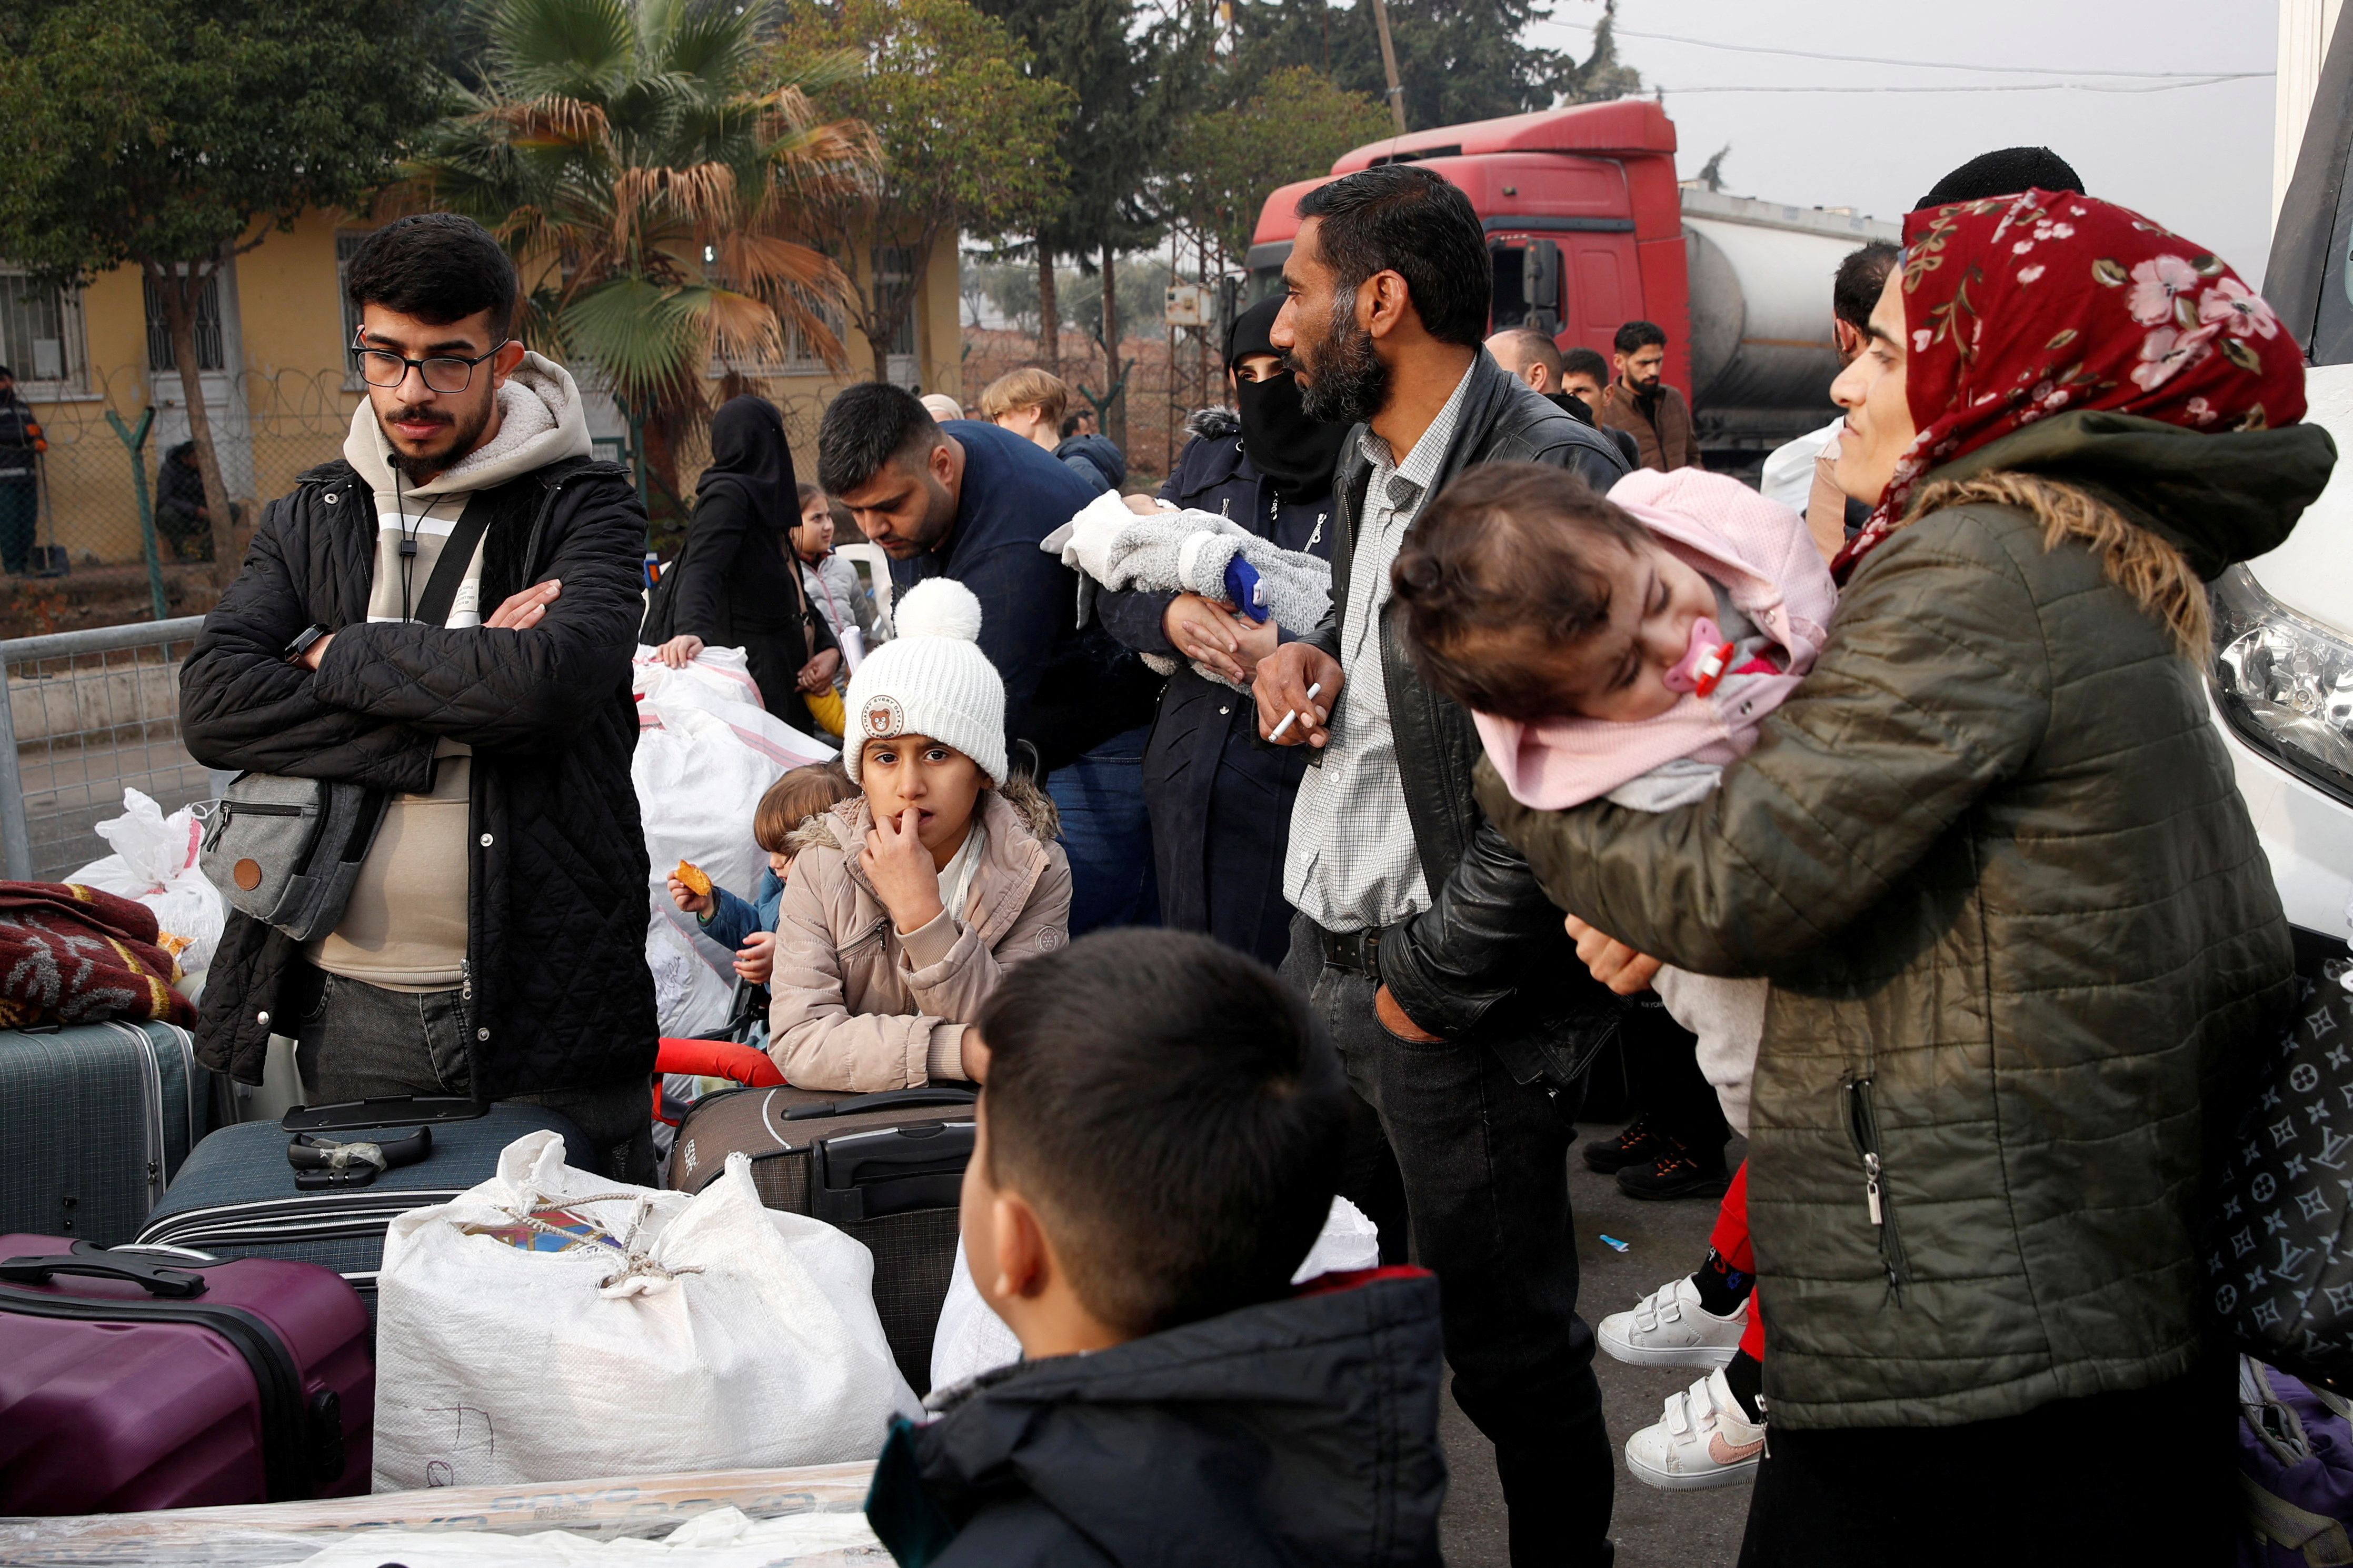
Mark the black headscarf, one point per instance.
(2004, 173)
(1295, 453)
(750, 457)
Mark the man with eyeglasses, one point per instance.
(492, 946)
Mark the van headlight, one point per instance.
(2285, 683)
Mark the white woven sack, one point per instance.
(706, 753)
(715, 1335)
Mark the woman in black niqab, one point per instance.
(734, 584)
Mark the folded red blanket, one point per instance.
(76, 955)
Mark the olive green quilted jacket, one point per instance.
(2017, 925)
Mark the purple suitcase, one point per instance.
(133, 1381)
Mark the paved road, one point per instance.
(1653, 1529)
(69, 788)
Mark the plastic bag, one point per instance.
(706, 753)
(154, 862)
(550, 1325)
(972, 1339)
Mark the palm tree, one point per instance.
(647, 166)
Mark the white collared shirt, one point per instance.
(1353, 862)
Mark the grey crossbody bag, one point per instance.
(288, 850)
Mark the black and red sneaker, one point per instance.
(1676, 1174)
(1637, 1145)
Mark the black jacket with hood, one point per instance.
(1489, 954)
(1301, 1431)
(560, 997)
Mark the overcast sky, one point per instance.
(2195, 158)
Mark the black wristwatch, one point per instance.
(302, 641)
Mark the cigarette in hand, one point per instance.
(1289, 719)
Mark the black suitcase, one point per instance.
(874, 1165)
(237, 1197)
(95, 1120)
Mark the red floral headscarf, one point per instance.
(2017, 308)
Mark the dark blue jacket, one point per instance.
(730, 920)
(1066, 688)
(1219, 797)
(1095, 459)
(1301, 1431)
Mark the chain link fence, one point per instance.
(88, 713)
(267, 429)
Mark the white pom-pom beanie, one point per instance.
(931, 679)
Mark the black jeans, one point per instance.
(2144, 1477)
(1484, 1160)
(362, 1042)
(1664, 1080)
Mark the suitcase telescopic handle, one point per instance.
(884, 1100)
(98, 1264)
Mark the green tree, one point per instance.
(1135, 77)
(1292, 128)
(651, 171)
(968, 136)
(1457, 59)
(173, 134)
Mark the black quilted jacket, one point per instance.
(563, 998)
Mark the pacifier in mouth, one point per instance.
(1701, 668)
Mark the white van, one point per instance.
(2282, 671)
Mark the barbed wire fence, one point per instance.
(268, 426)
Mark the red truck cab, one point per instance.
(1580, 208)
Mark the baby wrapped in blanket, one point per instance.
(1112, 544)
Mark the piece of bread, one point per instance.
(697, 880)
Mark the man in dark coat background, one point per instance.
(493, 945)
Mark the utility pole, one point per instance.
(1388, 64)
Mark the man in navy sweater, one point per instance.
(971, 502)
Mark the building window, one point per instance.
(895, 289)
(211, 348)
(800, 355)
(41, 337)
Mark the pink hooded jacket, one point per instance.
(1760, 551)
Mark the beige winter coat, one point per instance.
(859, 1007)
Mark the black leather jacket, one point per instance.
(1490, 954)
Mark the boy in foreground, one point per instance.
(1157, 1147)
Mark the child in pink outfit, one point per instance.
(1626, 647)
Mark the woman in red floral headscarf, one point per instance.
(1991, 855)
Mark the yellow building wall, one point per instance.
(289, 404)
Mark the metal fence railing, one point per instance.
(88, 713)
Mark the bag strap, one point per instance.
(457, 554)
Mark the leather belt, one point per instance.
(1357, 951)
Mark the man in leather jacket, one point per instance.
(1444, 977)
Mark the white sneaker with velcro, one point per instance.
(1670, 1328)
(1701, 1440)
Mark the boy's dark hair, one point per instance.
(1585, 362)
(1505, 548)
(866, 426)
(802, 793)
(2003, 173)
(437, 267)
(1855, 290)
(1632, 335)
(1175, 1114)
(1070, 423)
(1404, 219)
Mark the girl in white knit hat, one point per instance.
(907, 901)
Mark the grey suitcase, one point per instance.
(887, 1168)
(237, 1198)
(95, 1120)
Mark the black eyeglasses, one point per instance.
(444, 373)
